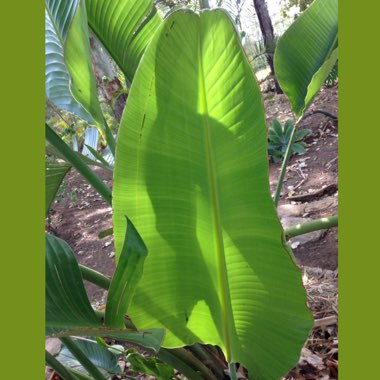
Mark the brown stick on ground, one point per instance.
(327, 190)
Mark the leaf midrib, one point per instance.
(216, 215)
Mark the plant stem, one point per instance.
(203, 355)
(284, 165)
(94, 277)
(82, 358)
(203, 4)
(79, 164)
(314, 225)
(58, 367)
(232, 371)
(189, 359)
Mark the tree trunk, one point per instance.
(268, 35)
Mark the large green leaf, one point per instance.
(54, 175)
(69, 74)
(68, 310)
(125, 27)
(192, 174)
(306, 53)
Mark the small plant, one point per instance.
(62, 193)
(279, 138)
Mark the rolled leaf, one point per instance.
(306, 53)
(192, 174)
(126, 278)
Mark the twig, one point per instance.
(332, 116)
(328, 321)
(299, 184)
(302, 174)
(329, 189)
(330, 162)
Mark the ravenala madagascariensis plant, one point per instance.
(205, 260)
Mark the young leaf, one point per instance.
(127, 275)
(192, 174)
(288, 128)
(277, 128)
(306, 53)
(298, 148)
(301, 134)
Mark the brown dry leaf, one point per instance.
(309, 358)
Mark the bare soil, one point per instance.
(311, 172)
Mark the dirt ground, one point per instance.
(311, 172)
(79, 215)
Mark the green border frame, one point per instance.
(22, 280)
(22, 177)
(359, 140)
